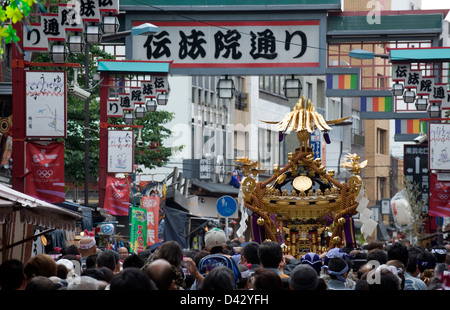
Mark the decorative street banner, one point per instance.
(439, 144)
(120, 151)
(151, 205)
(138, 229)
(439, 198)
(46, 166)
(117, 195)
(45, 104)
(232, 44)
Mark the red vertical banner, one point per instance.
(45, 164)
(151, 204)
(117, 195)
(439, 197)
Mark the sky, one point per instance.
(435, 5)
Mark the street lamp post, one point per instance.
(86, 126)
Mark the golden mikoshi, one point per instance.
(291, 194)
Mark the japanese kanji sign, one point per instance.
(70, 18)
(120, 151)
(439, 144)
(138, 229)
(151, 205)
(416, 168)
(422, 84)
(45, 103)
(232, 44)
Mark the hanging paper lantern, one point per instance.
(401, 211)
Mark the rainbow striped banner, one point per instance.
(342, 81)
(376, 104)
(410, 126)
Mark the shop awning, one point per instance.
(135, 66)
(216, 188)
(427, 54)
(35, 211)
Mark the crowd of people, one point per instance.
(226, 264)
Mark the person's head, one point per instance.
(398, 251)
(250, 253)
(162, 273)
(377, 255)
(321, 285)
(400, 270)
(133, 260)
(387, 282)
(303, 278)
(66, 268)
(375, 245)
(312, 259)
(426, 260)
(123, 253)
(335, 252)
(109, 274)
(363, 269)
(91, 261)
(94, 273)
(71, 249)
(131, 279)
(110, 259)
(244, 282)
(83, 283)
(337, 269)
(170, 251)
(215, 240)
(361, 285)
(11, 275)
(266, 279)
(87, 246)
(270, 254)
(40, 283)
(412, 266)
(440, 253)
(40, 265)
(219, 279)
(440, 268)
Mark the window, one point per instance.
(381, 141)
(272, 84)
(356, 122)
(309, 89)
(334, 108)
(381, 188)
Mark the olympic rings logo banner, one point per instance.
(45, 164)
(117, 195)
(439, 197)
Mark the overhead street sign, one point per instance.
(416, 168)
